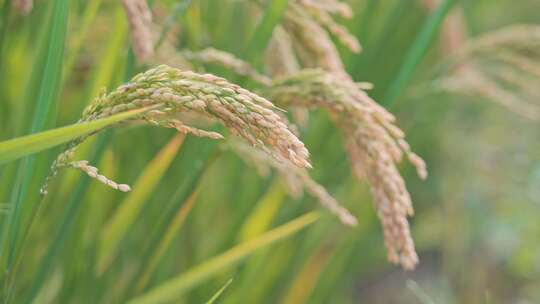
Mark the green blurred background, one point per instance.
(476, 225)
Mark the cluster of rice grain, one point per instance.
(311, 39)
(374, 143)
(321, 12)
(140, 28)
(375, 146)
(296, 179)
(171, 91)
(167, 53)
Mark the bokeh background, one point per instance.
(476, 224)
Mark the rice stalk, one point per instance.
(228, 61)
(139, 18)
(322, 14)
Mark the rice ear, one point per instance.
(172, 91)
(374, 143)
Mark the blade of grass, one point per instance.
(165, 242)
(47, 92)
(198, 157)
(265, 268)
(67, 221)
(274, 12)
(256, 223)
(175, 287)
(19, 147)
(126, 214)
(89, 14)
(261, 218)
(391, 26)
(416, 52)
(73, 205)
(219, 292)
(304, 283)
(115, 45)
(420, 294)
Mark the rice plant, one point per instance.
(204, 151)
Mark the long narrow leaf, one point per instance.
(416, 52)
(274, 12)
(175, 287)
(165, 242)
(128, 211)
(263, 215)
(51, 60)
(219, 292)
(307, 278)
(72, 207)
(19, 147)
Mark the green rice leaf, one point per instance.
(219, 292)
(417, 52)
(129, 209)
(175, 287)
(19, 147)
(274, 12)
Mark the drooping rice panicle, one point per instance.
(321, 11)
(374, 144)
(337, 30)
(297, 180)
(172, 91)
(312, 43)
(139, 18)
(93, 173)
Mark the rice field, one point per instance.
(269, 151)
